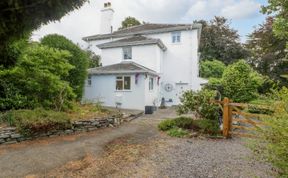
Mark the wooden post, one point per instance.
(227, 117)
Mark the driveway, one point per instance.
(135, 149)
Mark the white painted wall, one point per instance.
(103, 90)
(147, 55)
(106, 20)
(178, 64)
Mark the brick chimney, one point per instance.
(106, 19)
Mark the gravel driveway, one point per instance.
(136, 149)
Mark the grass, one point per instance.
(177, 132)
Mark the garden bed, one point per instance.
(20, 125)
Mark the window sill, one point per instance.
(123, 90)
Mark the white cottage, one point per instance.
(143, 64)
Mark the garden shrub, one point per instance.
(166, 124)
(29, 122)
(240, 82)
(78, 59)
(273, 138)
(211, 68)
(200, 102)
(184, 122)
(36, 80)
(177, 132)
(207, 126)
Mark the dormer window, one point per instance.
(127, 53)
(176, 37)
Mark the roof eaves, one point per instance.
(134, 43)
(106, 36)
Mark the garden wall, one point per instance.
(10, 135)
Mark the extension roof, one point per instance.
(133, 41)
(122, 68)
(144, 29)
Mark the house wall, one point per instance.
(179, 64)
(151, 96)
(146, 55)
(103, 90)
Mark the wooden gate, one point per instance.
(237, 122)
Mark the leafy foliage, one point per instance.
(19, 18)
(78, 58)
(166, 124)
(200, 103)
(177, 132)
(94, 59)
(36, 80)
(213, 68)
(129, 22)
(29, 122)
(219, 41)
(273, 138)
(267, 52)
(186, 123)
(240, 82)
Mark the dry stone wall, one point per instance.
(10, 135)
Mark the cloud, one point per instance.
(231, 9)
(86, 20)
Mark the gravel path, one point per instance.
(136, 149)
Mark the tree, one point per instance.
(280, 25)
(94, 59)
(214, 68)
(19, 18)
(240, 82)
(267, 52)
(36, 80)
(129, 22)
(78, 58)
(219, 41)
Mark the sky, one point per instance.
(244, 15)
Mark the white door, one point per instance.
(179, 90)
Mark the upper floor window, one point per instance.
(176, 37)
(151, 83)
(127, 53)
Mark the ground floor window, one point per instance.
(151, 83)
(89, 80)
(123, 83)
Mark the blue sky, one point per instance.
(243, 15)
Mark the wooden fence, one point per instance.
(247, 123)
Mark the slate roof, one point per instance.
(122, 68)
(135, 40)
(143, 30)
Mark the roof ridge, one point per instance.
(119, 30)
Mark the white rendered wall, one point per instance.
(106, 20)
(103, 90)
(149, 56)
(178, 64)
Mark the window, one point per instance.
(123, 83)
(151, 83)
(176, 37)
(127, 53)
(89, 81)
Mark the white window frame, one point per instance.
(125, 50)
(151, 83)
(89, 80)
(121, 78)
(176, 37)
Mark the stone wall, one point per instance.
(10, 135)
